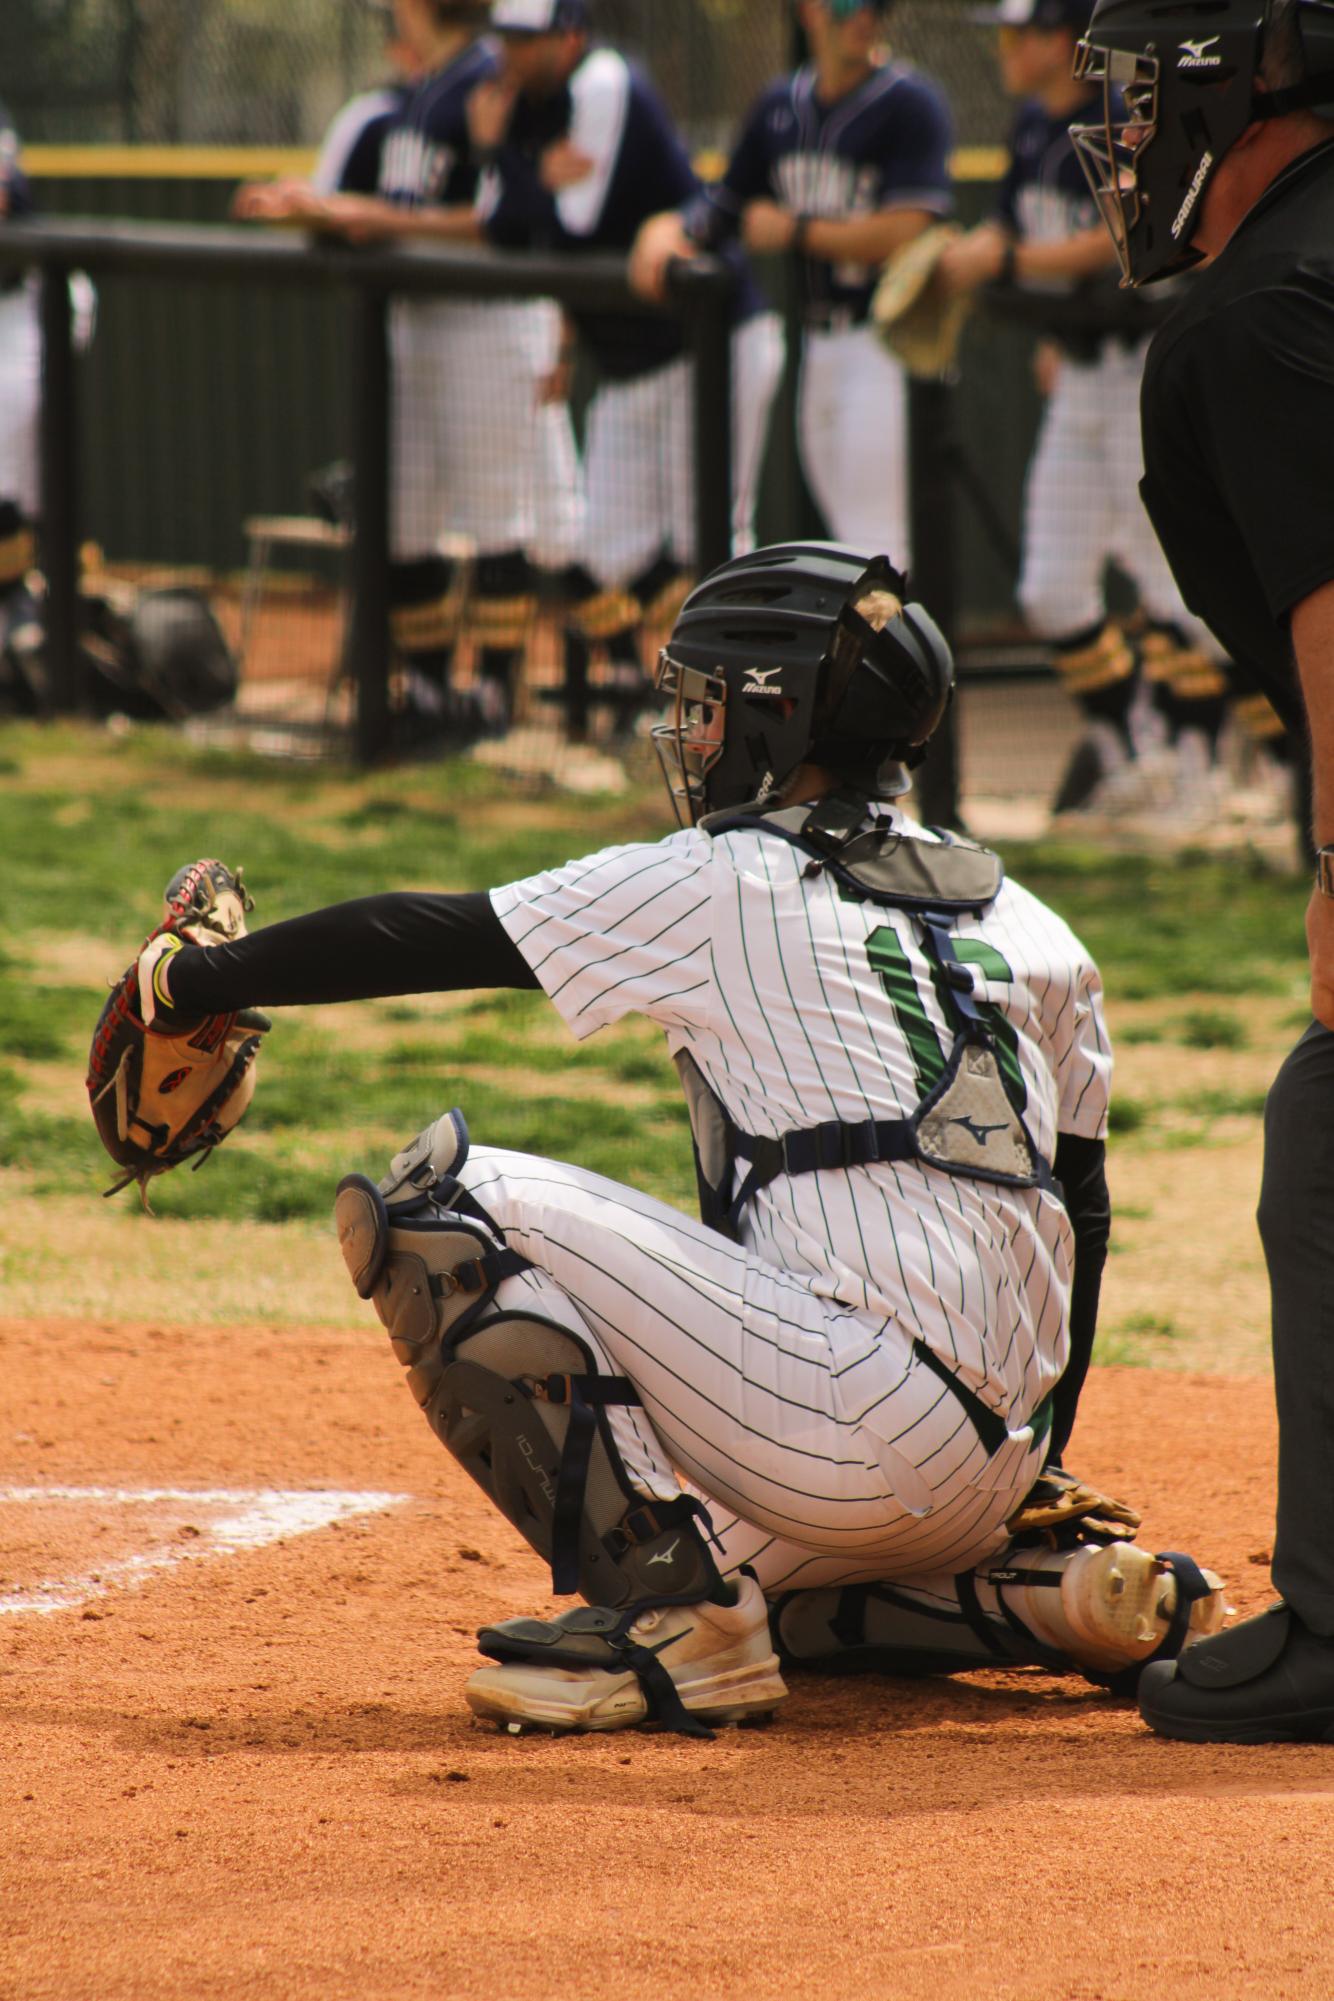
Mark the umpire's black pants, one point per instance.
(1297, 1227)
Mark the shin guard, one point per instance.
(519, 1400)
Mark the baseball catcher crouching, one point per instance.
(847, 1388)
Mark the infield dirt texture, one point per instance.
(239, 1580)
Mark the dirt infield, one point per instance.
(237, 1763)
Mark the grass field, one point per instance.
(1202, 957)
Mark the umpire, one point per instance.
(1223, 154)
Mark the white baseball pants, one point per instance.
(1082, 504)
(852, 423)
(824, 1452)
(472, 447)
(20, 398)
(639, 457)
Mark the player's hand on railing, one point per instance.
(768, 226)
(973, 260)
(489, 110)
(564, 165)
(661, 241)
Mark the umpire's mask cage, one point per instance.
(1178, 81)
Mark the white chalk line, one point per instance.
(252, 1518)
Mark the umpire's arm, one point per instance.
(1313, 644)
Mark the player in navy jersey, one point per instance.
(840, 164)
(1082, 504)
(581, 149)
(474, 443)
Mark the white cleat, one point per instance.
(1105, 1606)
(719, 1658)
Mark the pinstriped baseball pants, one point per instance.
(823, 1449)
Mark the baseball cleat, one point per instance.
(1108, 1607)
(717, 1658)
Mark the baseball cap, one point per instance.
(538, 17)
(1036, 14)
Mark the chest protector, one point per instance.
(967, 1124)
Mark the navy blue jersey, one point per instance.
(426, 159)
(611, 112)
(885, 144)
(349, 161)
(1044, 196)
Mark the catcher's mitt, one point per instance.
(166, 1086)
(1057, 1501)
(916, 318)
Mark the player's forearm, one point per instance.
(411, 225)
(1080, 256)
(866, 239)
(1313, 644)
(1080, 1167)
(407, 943)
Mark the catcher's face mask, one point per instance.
(1178, 80)
(690, 743)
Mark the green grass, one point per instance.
(1137, 1340)
(1161, 926)
(100, 823)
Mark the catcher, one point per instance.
(846, 1388)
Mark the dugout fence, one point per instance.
(363, 287)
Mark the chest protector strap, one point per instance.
(967, 1125)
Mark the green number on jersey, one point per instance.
(884, 949)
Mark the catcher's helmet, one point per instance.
(771, 665)
(1178, 81)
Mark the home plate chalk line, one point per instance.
(246, 1518)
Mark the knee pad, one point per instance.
(426, 605)
(504, 601)
(517, 1399)
(1178, 672)
(17, 548)
(1097, 667)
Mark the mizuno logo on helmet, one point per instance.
(1194, 54)
(758, 680)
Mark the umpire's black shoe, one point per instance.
(1267, 1681)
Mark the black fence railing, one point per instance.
(370, 279)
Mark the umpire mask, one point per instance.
(772, 665)
(1179, 88)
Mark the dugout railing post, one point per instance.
(704, 291)
(934, 581)
(59, 524)
(369, 641)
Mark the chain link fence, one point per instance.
(272, 72)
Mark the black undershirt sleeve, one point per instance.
(1081, 1169)
(410, 942)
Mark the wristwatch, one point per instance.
(1324, 871)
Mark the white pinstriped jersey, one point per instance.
(802, 1005)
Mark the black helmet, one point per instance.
(770, 665)
(1178, 81)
